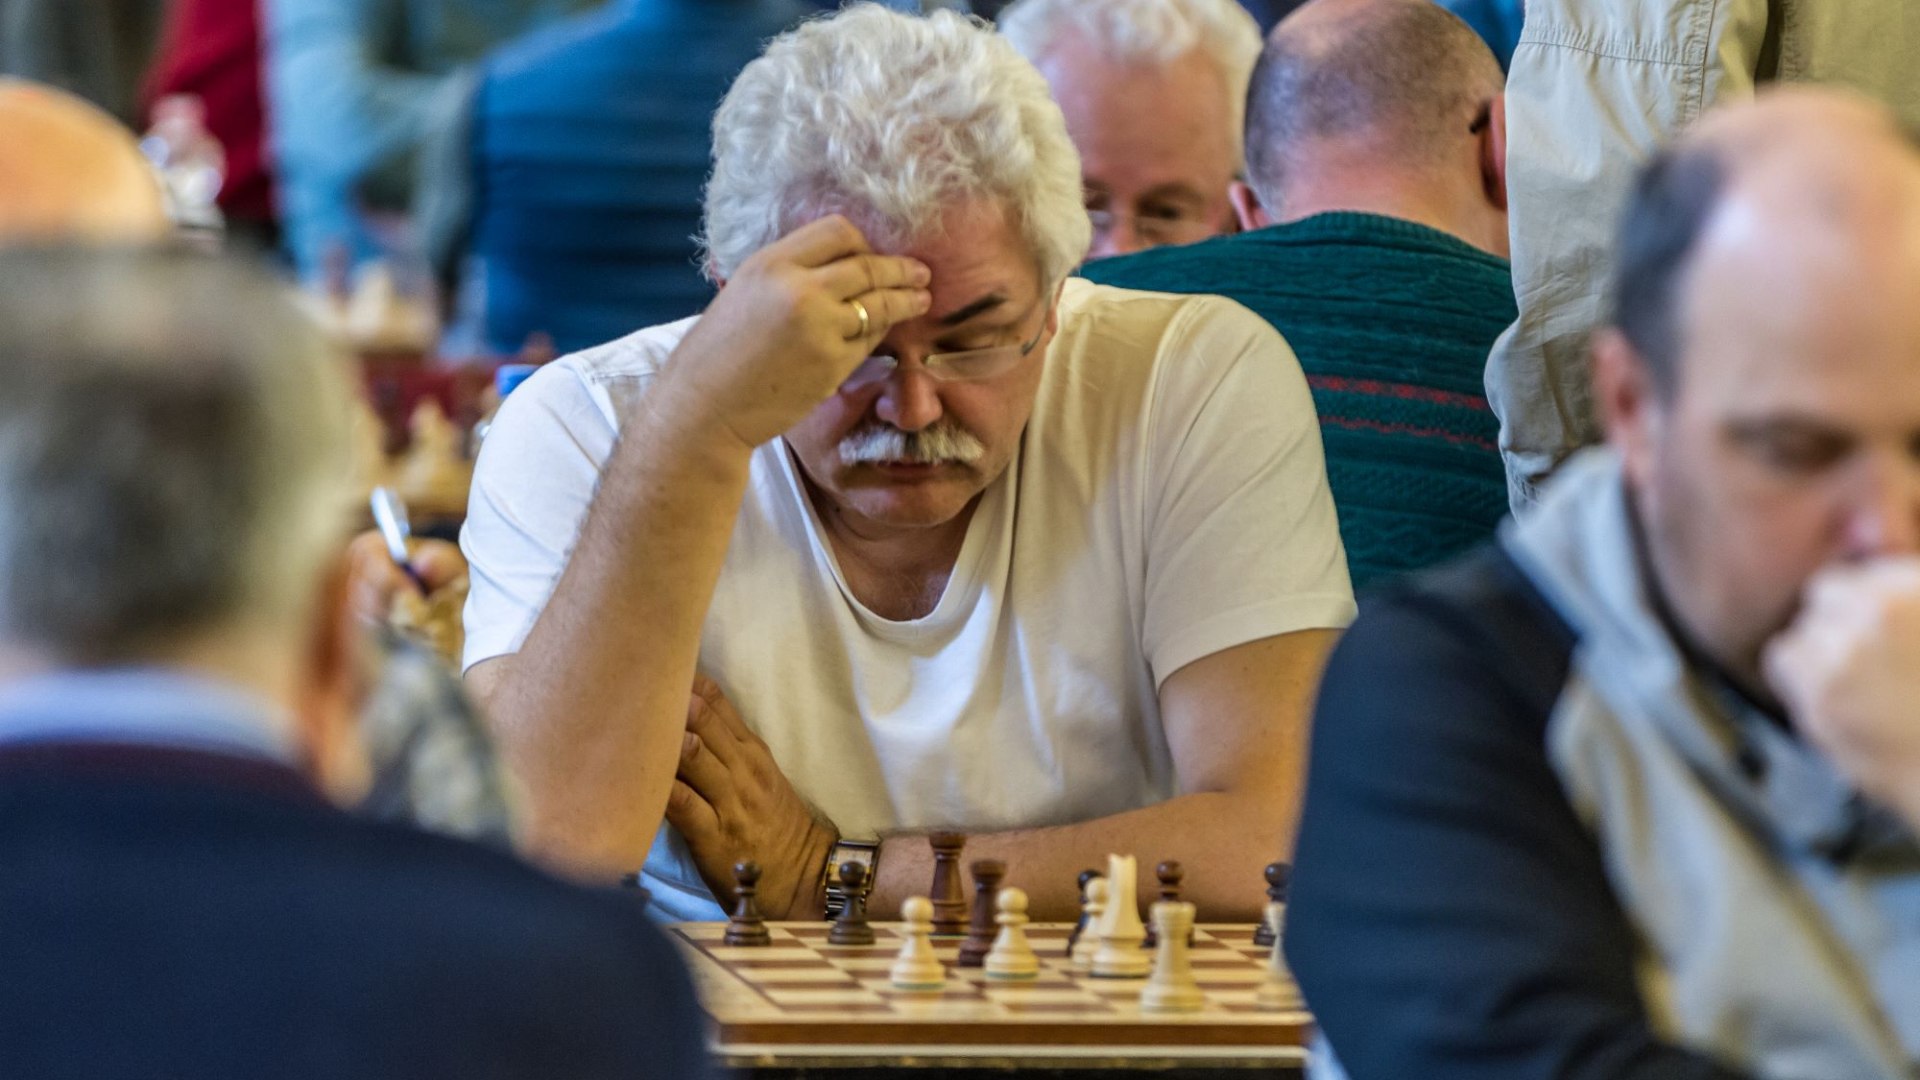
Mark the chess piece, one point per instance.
(1080, 927)
(434, 475)
(1172, 988)
(917, 968)
(747, 928)
(949, 896)
(980, 933)
(1277, 992)
(1277, 875)
(1120, 930)
(851, 928)
(1170, 874)
(1012, 957)
(1081, 958)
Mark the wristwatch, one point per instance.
(864, 852)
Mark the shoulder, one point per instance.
(1473, 643)
(1110, 319)
(601, 376)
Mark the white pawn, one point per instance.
(1120, 930)
(1089, 942)
(917, 967)
(1277, 992)
(1172, 987)
(1012, 956)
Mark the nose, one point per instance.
(910, 400)
(1886, 518)
(1119, 238)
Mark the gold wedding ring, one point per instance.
(866, 321)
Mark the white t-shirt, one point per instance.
(1169, 501)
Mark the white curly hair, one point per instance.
(890, 119)
(1155, 32)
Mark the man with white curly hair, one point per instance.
(950, 540)
(1154, 92)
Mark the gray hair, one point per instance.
(173, 452)
(1401, 74)
(891, 118)
(1154, 32)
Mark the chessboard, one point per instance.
(802, 993)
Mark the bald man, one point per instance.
(71, 173)
(1635, 824)
(1376, 202)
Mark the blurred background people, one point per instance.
(1154, 92)
(570, 185)
(353, 88)
(1376, 207)
(97, 49)
(209, 53)
(1584, 117)
(70, 173)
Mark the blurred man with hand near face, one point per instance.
(1643, 812)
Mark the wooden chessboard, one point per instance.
(802, 993)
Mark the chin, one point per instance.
(918, 505)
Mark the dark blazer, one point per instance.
(173, 914)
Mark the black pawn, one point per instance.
(851, 928)
(987, 875)
(1278, 874)
(747, 927)
(1170, 874)
(1080, 927)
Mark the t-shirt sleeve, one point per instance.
(1243, 543)
(532, 487)
(1450, 918)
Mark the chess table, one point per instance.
(804, 1008)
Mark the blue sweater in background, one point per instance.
(591, 145)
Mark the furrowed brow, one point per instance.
(974, 310)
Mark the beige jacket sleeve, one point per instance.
(1596, 87)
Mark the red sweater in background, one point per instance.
(211, 49)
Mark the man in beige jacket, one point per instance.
(1596, 86)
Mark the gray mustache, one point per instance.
(938, 445)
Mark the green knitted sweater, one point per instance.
(1392, 322)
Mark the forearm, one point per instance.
(593, 709)
(1222, 840)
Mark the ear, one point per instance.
(332, 689)
(1246, 206)
(1493, 154)
(1630, 406)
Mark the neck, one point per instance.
(899, 573)
(1419, 199)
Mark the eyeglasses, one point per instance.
(970, 365)
(1155, 228)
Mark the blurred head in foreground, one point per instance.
(70, 174)
(174, 489)
(1760, 375)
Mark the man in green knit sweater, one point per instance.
(1377, 214)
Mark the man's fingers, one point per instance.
(692, 817)
(438, 563)
(818, 243)
(701, 771)
(886, 309)
(705, 720)
(862, 274)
